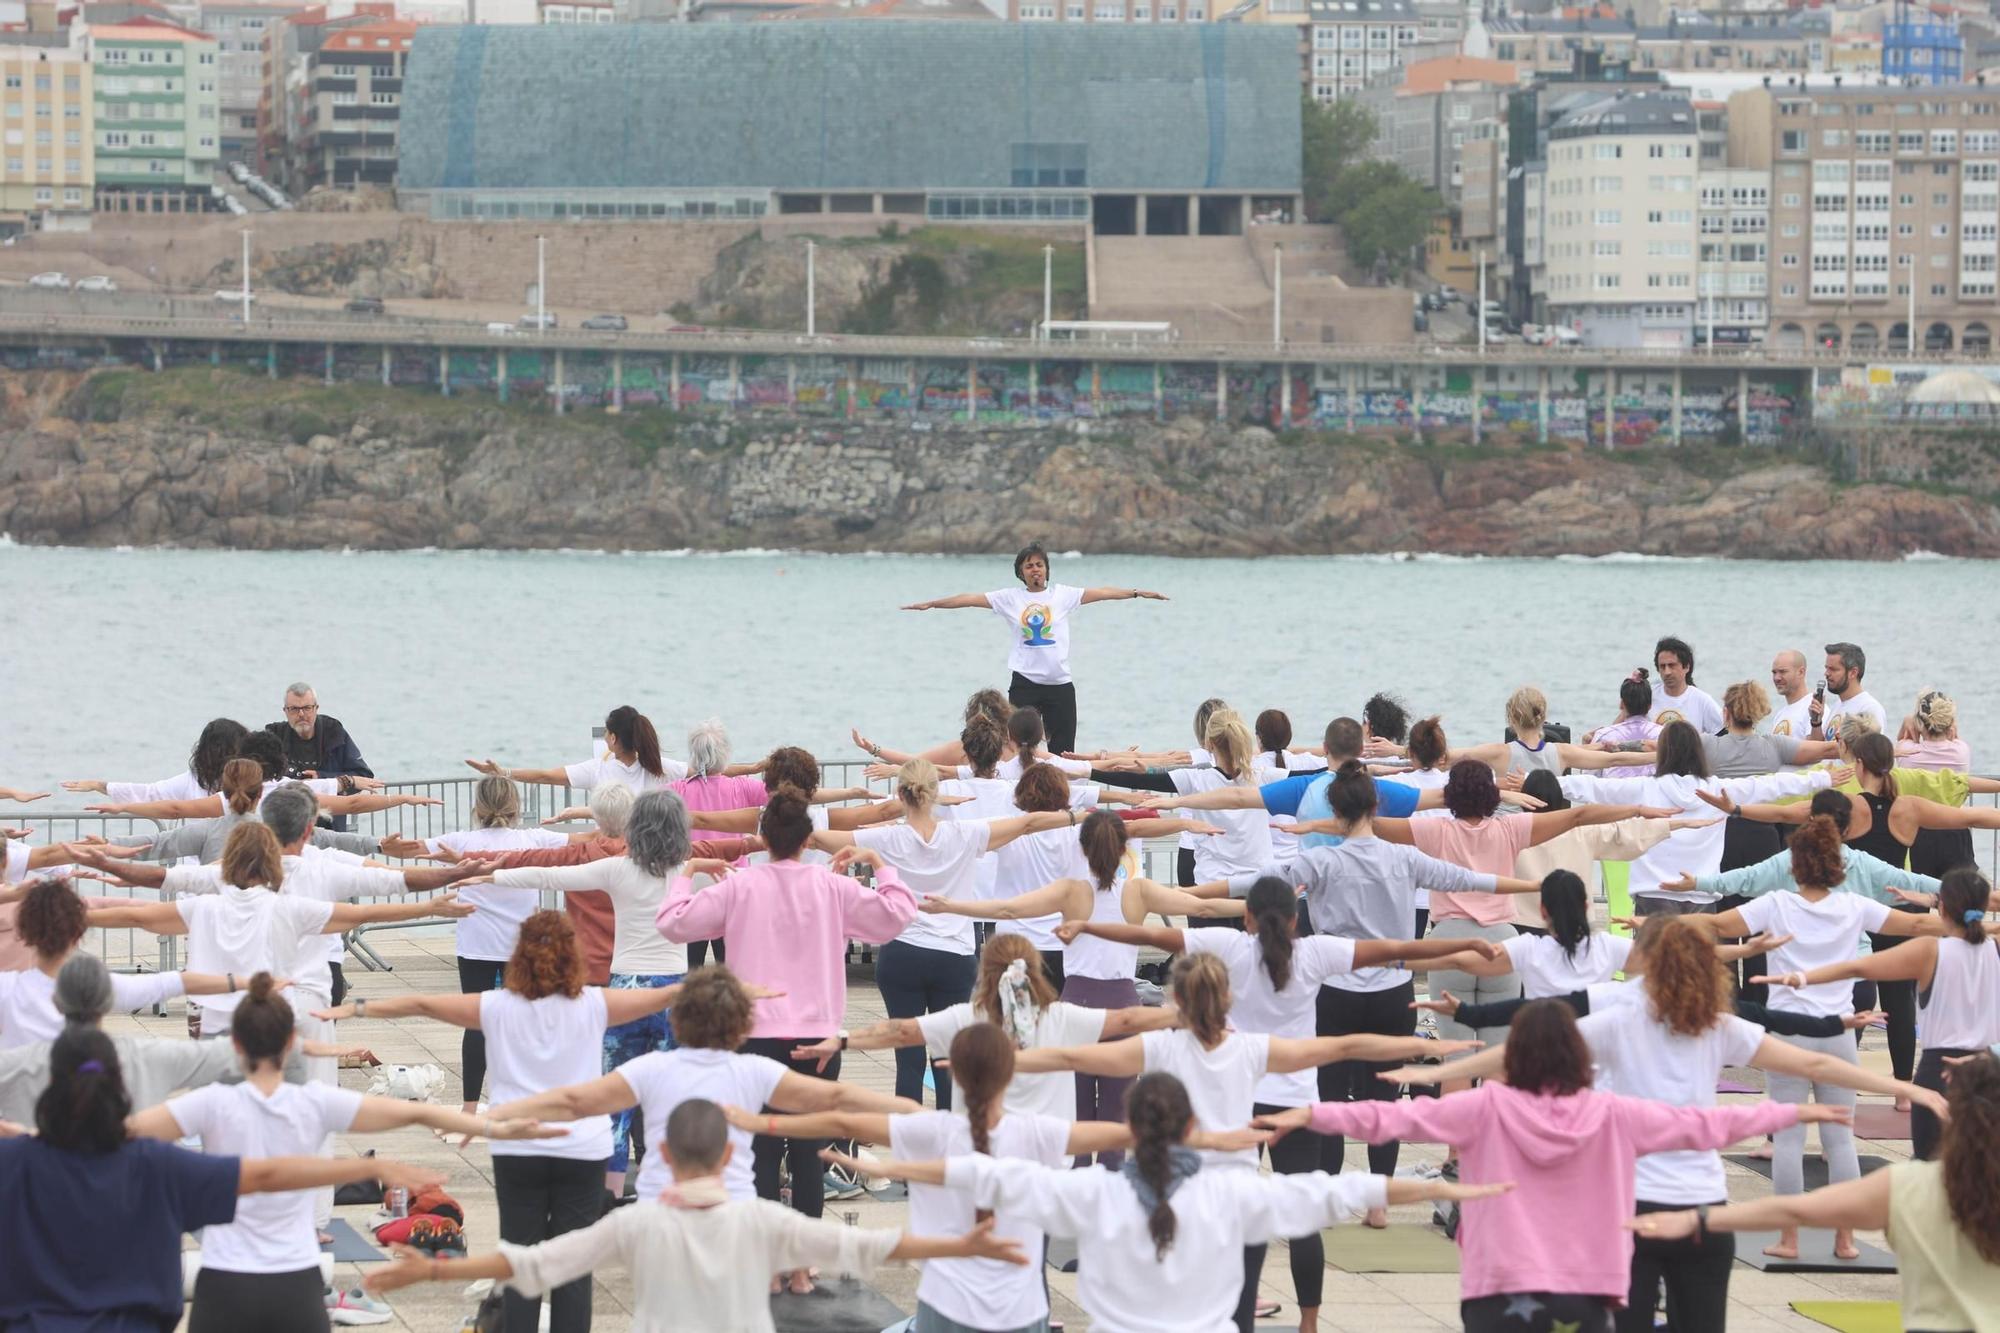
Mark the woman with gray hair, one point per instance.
(656, 844)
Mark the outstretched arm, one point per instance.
(1164, 938)
(863, 1126)
(1784, 1058)
(600, 1096)
(1055, 897)
(1852, 1204)
(460, 1010)
(1914, 963)
(964, 601)
(1114, 595)
(1486, 1064)
(159, 918)
(1291, 1054)
(1112, 1059)
(1478, 964)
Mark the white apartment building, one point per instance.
(1732, 284)
(1352, 42)
(1618, 224)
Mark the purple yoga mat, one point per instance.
(1731, 1085)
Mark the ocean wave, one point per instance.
(1638, 558)
(1411, 558)
(1912, 557)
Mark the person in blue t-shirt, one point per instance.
(93, 1220)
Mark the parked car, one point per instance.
(365, 305)
(1420, 322)
(55, 281)
(547, 320)
(96, 283)
(606, 323)
(235, 294)
(499, 330)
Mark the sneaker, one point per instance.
(840, 1184)
(1425, 1171)
(355, 1306)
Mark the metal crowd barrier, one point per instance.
(123, 950)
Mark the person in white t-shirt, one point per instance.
(1846, 664)
(929, 966)
(631, 756)
(1678, 699)
(1788, 679)
(1038, 615)
(543, 1029)
(1569, 958)
(262, 1270)
(1823, 927)
(958, 1294)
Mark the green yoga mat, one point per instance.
(1617, 890)
(1854, 1316)
(1395, 1249)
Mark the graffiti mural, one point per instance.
(882, 385)
(819, 386)
(472, 369)
(647, 380)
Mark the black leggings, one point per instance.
(698, 952)
(1898, 999)
(1924, 1127)
(1296, 1154)
(1344, 1013)
(476, 975)
(1540, 1312)
(915, 981)
(1057, 705)
(767, 1153)
(1695, 1272)
(268, 1302)
(541, 1198)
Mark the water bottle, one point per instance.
(396, 1201)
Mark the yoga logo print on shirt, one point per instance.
(1667, 715)
(1038, 623)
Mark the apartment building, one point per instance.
(1732, 280)
(1424, 118)
(348, 133)
(1618, 234)
(1796, 46)
(1885, 214)
(1355, 41)
(281, 109)
(158, 115)
(47, 172)
(238, 27)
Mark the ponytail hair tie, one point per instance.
(91, 1067)
(1973, 914)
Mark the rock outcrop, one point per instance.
(207, 458)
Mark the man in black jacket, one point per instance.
(316, 746)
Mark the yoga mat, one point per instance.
(1617, 890)
(1878, 1121)
(1815, 1165)
(1854, 1316)
(841, 1305)
(1815, 1255)
(1394, 1249)
(350, 1246)
(1735, 1085)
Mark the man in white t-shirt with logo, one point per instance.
(1846, 664)
(1678, 699)
(1788, 678)
(1038, 615)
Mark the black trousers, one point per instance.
(1924, 1127)
(541, 1198)
(476, 975)
(698, 952)
(268, 1302)
(1341, 1014)
(1052, 966)
(1296, 1154)
(1057, 705)
(339, 990)
(1897, 999)
(767, 1154)
(1539, 1312)
(1695, 1273)
(915, 981)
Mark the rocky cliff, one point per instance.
(210, 458)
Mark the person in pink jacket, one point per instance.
(1553, 1254)
(785, 925)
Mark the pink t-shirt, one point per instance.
(1486, 845)
(1934, 755)
(720, 793)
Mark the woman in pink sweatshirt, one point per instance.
(1554, 1253)
(786, 925)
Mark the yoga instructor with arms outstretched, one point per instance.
(1040, 611)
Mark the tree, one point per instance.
(1360, 182)
(1388, 222)
(1333, 137)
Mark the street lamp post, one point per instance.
(811, 294)
(541, 285)
(246, 276)
(1277, 294)
(1048, 287)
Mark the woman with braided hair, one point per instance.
(1148, 1234)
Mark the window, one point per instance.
(1941, 200)
(1607, 282)
(1607, 249)
(382, 99)
(44, 194)
(1610, 217)
(1791, 201)
(1790, 229)
(1046, 165)
(72, 194)
(1944, 141)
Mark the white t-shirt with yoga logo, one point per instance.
(1040, 622)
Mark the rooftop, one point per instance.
(1648, 113)
(1357, 11)
(1434, 76)
(146, 30)
(368, 36)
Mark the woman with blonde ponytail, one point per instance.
(929, 966)
(1148, 1235)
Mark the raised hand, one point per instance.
(86, 784)
(820, 1052)
(1682, 883)
(408, 1267)
(448, 904)
(1856, 1021)
(1284, 1122)
(487, 766)
(1448, 1006)
(852, 855)
(1721, 800)
(402, 848)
